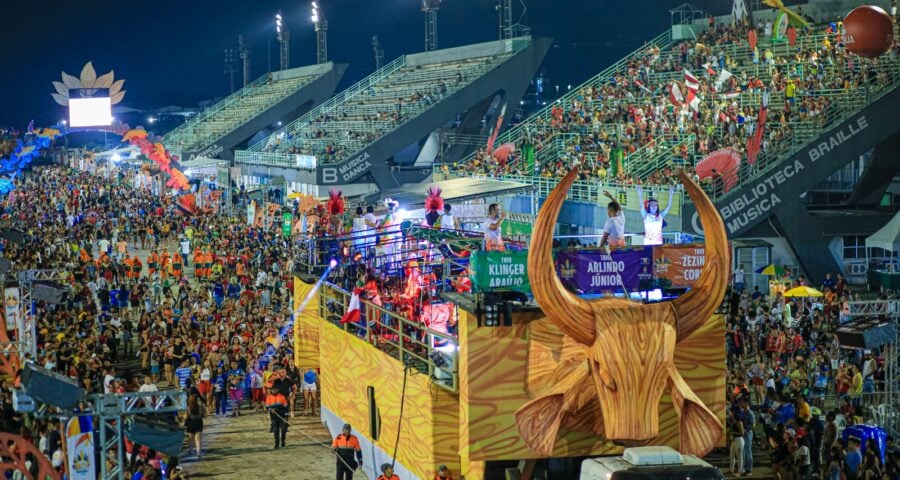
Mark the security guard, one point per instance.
(387, 472)
(345, 446)
(277, 405)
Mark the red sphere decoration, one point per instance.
(868, 31)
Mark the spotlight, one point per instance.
(333, 263)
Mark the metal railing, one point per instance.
(409, 342)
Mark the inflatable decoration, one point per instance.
(156, 152)
(868, 31)
(617, 358)
(26, 149)
(792, 17)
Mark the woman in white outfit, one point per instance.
(653, 218)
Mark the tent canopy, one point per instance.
(888, 237)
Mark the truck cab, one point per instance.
(649, 463)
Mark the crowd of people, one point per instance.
(206, 310)
(792, 388)
(610, 125)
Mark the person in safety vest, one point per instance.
(277, 405)
(177, 266)
(346, 446)
(153, 262)
(443, 473)
(387, 472)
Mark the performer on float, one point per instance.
(335, 207)
(653, 218)
(434, 204)
(614, 230)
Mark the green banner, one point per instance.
(512, 227)
(528, 153)
(498, 271)
(287, 221)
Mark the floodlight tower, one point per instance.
(284, 41)
(321, 25)
(231, 57)
(431, 7)
(244, 52)
(378, 51)
(504, 8)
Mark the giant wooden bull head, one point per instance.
(617, 357)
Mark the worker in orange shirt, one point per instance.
(164, 264)
(136, 268)
(387, 472)
(127, 261)
(277, 406)
(346, 446)
(153, 262)
(198, 258)
(177, 266)
(443, 473)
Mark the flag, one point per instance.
(690, 81)
(709, 69)
(675, 95)
(723, 77)
(638, 83)
(755, 143)
(495, 131)
(352, 313)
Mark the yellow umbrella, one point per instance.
(803, 292)
(294, 196)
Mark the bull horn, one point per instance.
(695, 307)
(573, 315)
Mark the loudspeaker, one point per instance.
(867, 333)
(54, 389)
(53, 293)
(374, 416)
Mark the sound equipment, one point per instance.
(867, 333)
(53, 389)
(53, 293)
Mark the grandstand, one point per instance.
(281, 95)
(622, 128)
(359, 131)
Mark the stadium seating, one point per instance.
(233, 111)
(370, 109)
(627, 108)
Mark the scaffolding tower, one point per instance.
(321, 25)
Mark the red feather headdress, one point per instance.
(335, 203)
(434, 202)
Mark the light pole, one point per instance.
(284, 41)
(321, 25)
(430, 7)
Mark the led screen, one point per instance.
(90, 112)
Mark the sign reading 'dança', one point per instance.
(759, 200)
(348, 171)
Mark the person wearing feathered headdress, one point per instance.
(335, 207)
(434, 204)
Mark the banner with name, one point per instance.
(11, 307)
(679, 264)
(499, 271)
(595, 272)
(80, 448)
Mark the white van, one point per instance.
(649, 463)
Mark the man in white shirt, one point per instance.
(148, 385)
(108, 379)
(371, 224)
(103, 245)
(738, 278)
(493, 234)
(614, 230)
(185, 250)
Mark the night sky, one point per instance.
(171, 52)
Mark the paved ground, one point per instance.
(242, 447)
